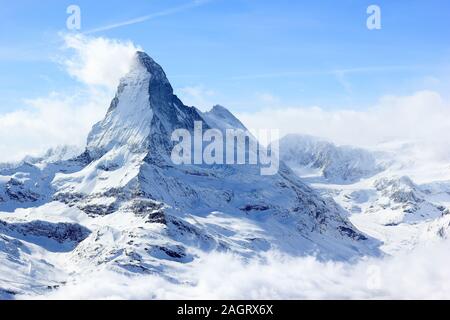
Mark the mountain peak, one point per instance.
(144, 56)
(142, 59)
(143, 113)
(221, 118)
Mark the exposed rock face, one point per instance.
(401, 193)
(29, 183)
(59, 232)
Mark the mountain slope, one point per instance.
(340, 164)
(387, 204)
(131, 162)
(144, 214)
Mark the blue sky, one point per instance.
(245, 53)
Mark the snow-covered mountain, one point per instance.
(123, 205)
(29, 183)
(382, 198)
(340, 164)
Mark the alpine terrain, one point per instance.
(389, 192)
(122, 205)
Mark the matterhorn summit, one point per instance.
(144, 112)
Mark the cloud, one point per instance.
(343, 81)
(197, 96)
(267, 99)
(167, 12)
(65, 118)
(421, 117)
(334, 72)
(98, 61)
(420, 274)
(48, 122)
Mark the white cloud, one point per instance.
(197, 96)
(98, 61)
(167, 12)
(66, 118)
(421, 274)
(48, 122)
(422, 117)
(267, 99)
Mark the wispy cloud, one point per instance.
(421, 117)
(167, 12)
(198, 96)
(343, 81)
(333, 72)
(98, 61)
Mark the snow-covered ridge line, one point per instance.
(147, 215)
(339, 164)
(400, 203)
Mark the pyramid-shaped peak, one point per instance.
(143, 114)
(144, 56)
(142, 59)
(144, 67)
(220, 109)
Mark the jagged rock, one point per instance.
(60, 232)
